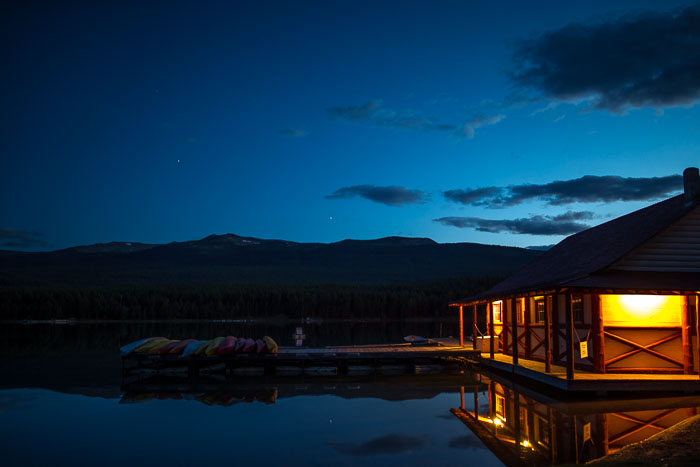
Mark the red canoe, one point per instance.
(177, 349)
(227, 346)
(249, 346)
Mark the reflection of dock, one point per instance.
(268, 389)
(584, 381)
(530, 428)
(293, 361)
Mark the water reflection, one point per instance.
(523, 427)
(62, 388)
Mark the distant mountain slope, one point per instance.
(231, 258)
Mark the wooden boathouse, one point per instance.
(619, 299)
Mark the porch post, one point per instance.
(514, 329)
(598, 334)
(461, 327)
(555, 328)
(474, 331)
(526, 326)
(685, 337)
(492, 330)
(569, 338)
(697, 330)
(547, 334)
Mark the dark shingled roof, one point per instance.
(575, 261)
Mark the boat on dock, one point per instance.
(335, 360)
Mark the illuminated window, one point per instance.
(501, 406)
(539, 309)
(577, 308)
(497, 308)
(543, 431)
(520, 311)
(642, 310)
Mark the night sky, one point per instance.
(513, 123)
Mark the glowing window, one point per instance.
(539, 309)
(501, 406)
(543, 431)
(497, 309)
(520, 310)
(642, 310)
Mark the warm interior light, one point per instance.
(642, 310)
(497, 422)
(497, 311)
(526, 443)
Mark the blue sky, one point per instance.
(320, 121)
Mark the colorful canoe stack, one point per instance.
(192, 347)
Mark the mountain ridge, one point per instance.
(230, 258)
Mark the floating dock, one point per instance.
(534, 372)
(292, 361)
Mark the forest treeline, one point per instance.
(239, 301)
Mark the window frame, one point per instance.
(497, 316)
(578, 309)
(540, 313)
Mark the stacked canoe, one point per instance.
(193, 347)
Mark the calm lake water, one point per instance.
(63, 402)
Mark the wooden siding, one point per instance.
(677, 249)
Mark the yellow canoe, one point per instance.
(270, 344)
(148, 345)
(211, 349)
(160, 345)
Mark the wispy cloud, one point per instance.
(292, 132)
(563, 224)
(587, 189)
(387, 444)
(373, 112)
(21, 239)
(549, 106)
(469, 128)
(648, 59)
(389, 195)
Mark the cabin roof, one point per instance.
(583, 259)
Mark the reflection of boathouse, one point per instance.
(621, 297)
(527, 428)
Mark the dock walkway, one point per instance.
(585, 381)
(393, 358)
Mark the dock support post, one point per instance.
(598, 333)
(569, 338)
(461, 326)
(514, 327)
(492, 330)
(685, 337)
(476, 402)
(461, 398)
(474, 327)
(547, 335)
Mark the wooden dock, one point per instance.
(585, 381)
(292, 361)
